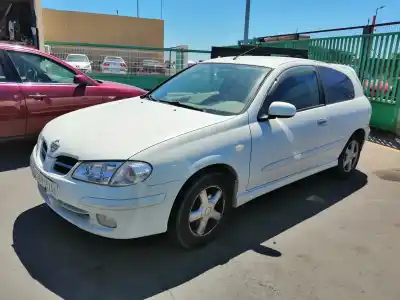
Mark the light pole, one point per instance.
(376, 14)
(137, 8)
(246, 22)
(162, 4)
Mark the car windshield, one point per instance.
(218, 88)
(77, 58)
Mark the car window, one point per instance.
(77, 58)
(337, 86)
(36, 68)
(113, 59)
(298, 86)
(3, 77)
(212, 87)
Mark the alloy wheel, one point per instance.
(351, 156)
(206, 211)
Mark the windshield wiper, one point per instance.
(180, 104)
(174, 103)
(147, 96)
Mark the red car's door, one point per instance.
(49, 89)
(12, 104)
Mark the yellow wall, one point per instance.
(69, 26)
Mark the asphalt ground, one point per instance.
(320, 238)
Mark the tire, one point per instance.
(208, 216)
(348, 159)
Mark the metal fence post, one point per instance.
(397, 111)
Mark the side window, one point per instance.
(337, 86)
(298, 86)
(3, 77)
(37, 68)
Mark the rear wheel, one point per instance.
(204, 208)
(349, 157)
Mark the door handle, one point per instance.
(321, 122)
(38, 97)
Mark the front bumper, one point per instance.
(135, 214)
(115, 71)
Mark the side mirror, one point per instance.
(279, 109)
(80, 79)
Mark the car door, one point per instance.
(49, 89)
(12, 102)
(346, 110)
(283, 147)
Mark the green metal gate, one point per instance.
(375, 58)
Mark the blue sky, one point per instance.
(205, 23)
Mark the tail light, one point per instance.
(123, 65)
(106, 64)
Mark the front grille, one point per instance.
(43, 150)
(72, 208)
(64, 164)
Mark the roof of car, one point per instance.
(76, 54)
(263, 61)
(5, 45)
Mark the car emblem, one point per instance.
(55, 145)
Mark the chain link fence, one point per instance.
(125, 60)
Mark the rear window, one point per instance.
(337, 86)
(113, 59)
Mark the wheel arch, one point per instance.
(218, 168)
(359, 134)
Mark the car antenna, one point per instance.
(247, 51)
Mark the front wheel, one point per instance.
(204, 208)
(348, 159)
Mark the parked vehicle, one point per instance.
(153, 66)
(114, 64)
(217, 135)
(382, 87)
(79, 61)
(36, 87)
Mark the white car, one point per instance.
(80, 62)
(114, 64)
(210, 139)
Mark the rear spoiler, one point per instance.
(258, 51)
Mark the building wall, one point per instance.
(69, 26)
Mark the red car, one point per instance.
(36, 87)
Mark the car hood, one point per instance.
(120, 129)
(121, 85)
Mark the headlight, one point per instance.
(113, 173)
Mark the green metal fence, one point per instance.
(375, 58)
(144, 67)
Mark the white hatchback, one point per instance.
(79, 61)
(211, 138)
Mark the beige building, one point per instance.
(70, 26)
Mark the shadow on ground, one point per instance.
(384, 138)
(15, 154)
(77, 265)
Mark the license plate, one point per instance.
(50, 186)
